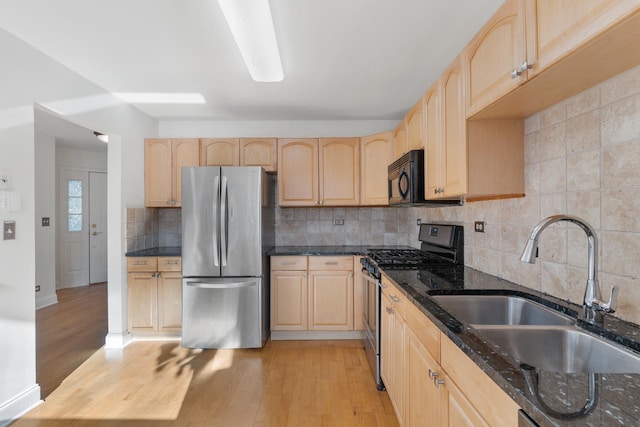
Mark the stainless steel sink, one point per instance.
(562, 349)
(500, 310)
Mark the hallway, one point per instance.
(68, 333)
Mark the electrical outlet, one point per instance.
(419, 221)
(338, 222)
(9, 230)
(479, 226)
(45, 221)
(37, 288)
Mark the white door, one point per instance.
(97, 227)
(74, 235)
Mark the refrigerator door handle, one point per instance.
(235, 285)
(216, 188)
(224, 218)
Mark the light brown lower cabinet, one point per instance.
(438, 384)
(155, 294)
(314, 293)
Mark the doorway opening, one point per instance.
(71, 247)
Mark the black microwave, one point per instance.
(407, 182)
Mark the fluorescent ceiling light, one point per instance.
(251, 24)
(161, 98)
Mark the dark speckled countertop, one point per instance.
(618, 401)
(160, 251)
(327, 250)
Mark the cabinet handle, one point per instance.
(389, 310)
(172, 262)
(350, 275)
(304, 275)
(140, 263)
(437, 382)
(315, 202)
(525, 66)
(331, 263)
(515, 73)
(322, 202)
(158, 274)
(289, 263)
(433, 374)
(394, 298)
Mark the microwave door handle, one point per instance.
(224, 221)
(216, 189)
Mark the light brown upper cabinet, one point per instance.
(400, 144)
(259, 152)
(375, 156)
(163, 161)
(480, 159)
(556, 27)
(414, 122)
(496, 56)
(323, 172)
(534, 53)
(298, 172)
(446, 164)
(219, 152)
(339, 171)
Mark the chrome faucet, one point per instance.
(593, 305)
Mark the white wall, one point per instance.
(45, 196)
(30, 77)
(281, 129)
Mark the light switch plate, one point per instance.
(45, 221)
(9, 230)
(479, 226)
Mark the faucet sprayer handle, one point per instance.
(611, 305)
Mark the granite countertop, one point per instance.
(618, 398)
(329, 250)
(159, 251)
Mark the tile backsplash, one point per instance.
(151, 227)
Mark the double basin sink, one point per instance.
(539, 336)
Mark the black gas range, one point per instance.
(441, 245)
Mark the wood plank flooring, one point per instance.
(287, 383)
(68, 333)
(159, 383)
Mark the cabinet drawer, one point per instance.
(146, 263)
(169, 263)
(395, 295)
(426, 332)
(288, 263)
(344, 263)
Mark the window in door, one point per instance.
(75, 205)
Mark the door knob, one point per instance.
(95, 233)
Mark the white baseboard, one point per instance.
(316, 335)
(117, 340)
(46, 301)
(20, 405)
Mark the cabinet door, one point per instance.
(434, 145)
(143, 299)
(386, 343)
(358, 289)
(425, 404)
(375, 156)
(458, 411)
(157, 173)
(331, 300)
(398, 367)
(298, 172)
(169, 301)
(494, 53)
(455, 131)
(185, 153)
(259, 152)
(220, 152)
(400, 144)
(414, 120)
(556, 27)
(289, 300)
(339, 171)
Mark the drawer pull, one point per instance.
(172, 262)
(289, 263)
(394, 298)
(331, 263)
(140, 263)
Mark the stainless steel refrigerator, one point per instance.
(227, 228)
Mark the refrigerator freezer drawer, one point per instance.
(222, 312)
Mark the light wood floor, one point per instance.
(68, 333)
(150, 383)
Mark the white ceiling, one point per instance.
(342, 59)
(67, 134)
